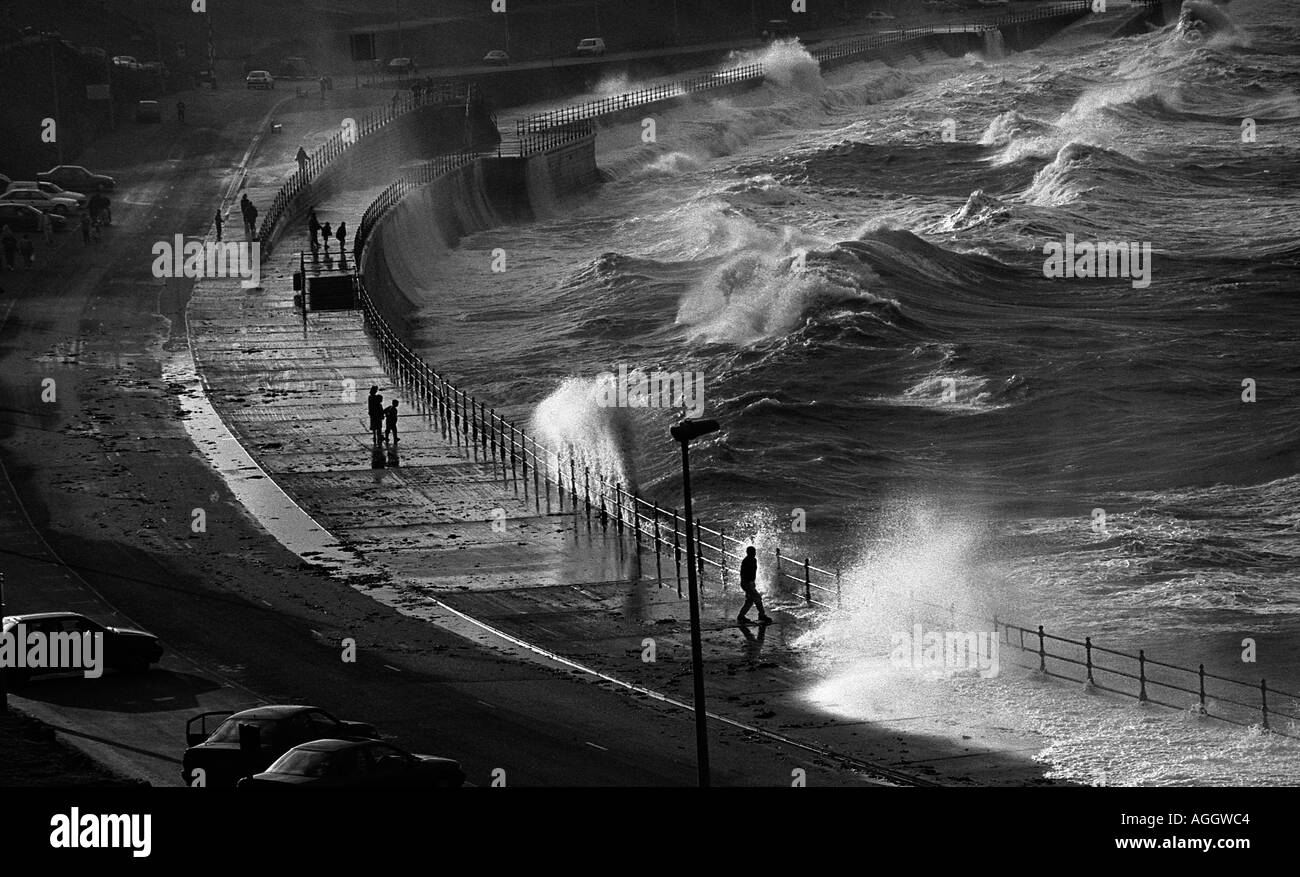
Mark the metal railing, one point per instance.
(340, 142)
(556, 482)
(757, 70)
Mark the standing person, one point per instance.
(325, 233)
(47, 228)
(252, 220)
(376, 409)
(180, 111)
(342, 234)
(748, 580)
(9, 244)
(217, 218)
(313, 228)
(28, 251)
(85, 228)
(301, 158)
(390, 422)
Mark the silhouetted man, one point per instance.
(301, 158)
(390, 422)
(376, 403)
(748, 584)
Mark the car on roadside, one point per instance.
(40, 200)
(126, 649)
(247, 742)
(259, 79)
(72, 176)
(24, 217)
(497, 58)
(54, 190)
(356, 764)
(401, 67)
(590, 47)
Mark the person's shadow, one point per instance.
(754, 643)
(393, 461)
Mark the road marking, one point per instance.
(594, 746)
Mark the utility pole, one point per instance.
(4, 682)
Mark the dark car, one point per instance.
(125, 649)
(247, 742)
(25, 217)
(358, 764)
(77, 178)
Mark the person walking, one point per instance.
(28, 250)
(85, 229)
(325, 234)
(390, 422)
(180, 111)
(376, 409)
(313, 228)
(217, 219)
(301, 158)
(748, 584)
(9, 245)
(47, 228)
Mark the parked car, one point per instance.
(125, 649)
(358, 764)
(259, 79)
(41, 201)
(401, 66)
(52, 189)
(591, 46)
(497, 57)
(72, 176)
(24, 217)
(247, 742)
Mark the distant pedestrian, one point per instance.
(301, 158)
(376, 410)
(217, 219)
(322, 88)
(341, 233)
(252, 220)
(85, 228)
(748, 584)
(28, 250)
(9, 245)
(390, 422)
(180, 111)
(325, 233)
(47, 228)
(313, 228)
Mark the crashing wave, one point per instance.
(1201, 20)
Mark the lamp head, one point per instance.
(688, 429)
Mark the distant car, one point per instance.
(401, 66)
(247, 742)
(24, 217)
(125, 649)
(497, 57)
(148, 111)
(877, 15)
(40, 200)
(259, 79)
(358, 764)
(591, 46)
(127, 62)
(72, 176)
(52, 189)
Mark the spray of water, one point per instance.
(573, 420)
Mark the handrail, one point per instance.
(342, 140)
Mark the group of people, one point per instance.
(319, 232)
(249, 209)
(383, 421)
(12, 247)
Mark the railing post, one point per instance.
(573, 483)
(483, 427)
(1201, 673)
(699, 555)
(514, 461)
(677, 552)
(1087, 645)
(1042, 652)
(493, 433)
(618, 508)
(1263, 700)
(839, 598)
(807, 583)
(546, 477)
(778, 569)
(722, 557)
(1142, 675)
(586, 492)
(559, 482)
(659, 565)
(636, 518)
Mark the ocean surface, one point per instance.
(867, 304)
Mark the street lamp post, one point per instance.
(684, 432)
(4, 690)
